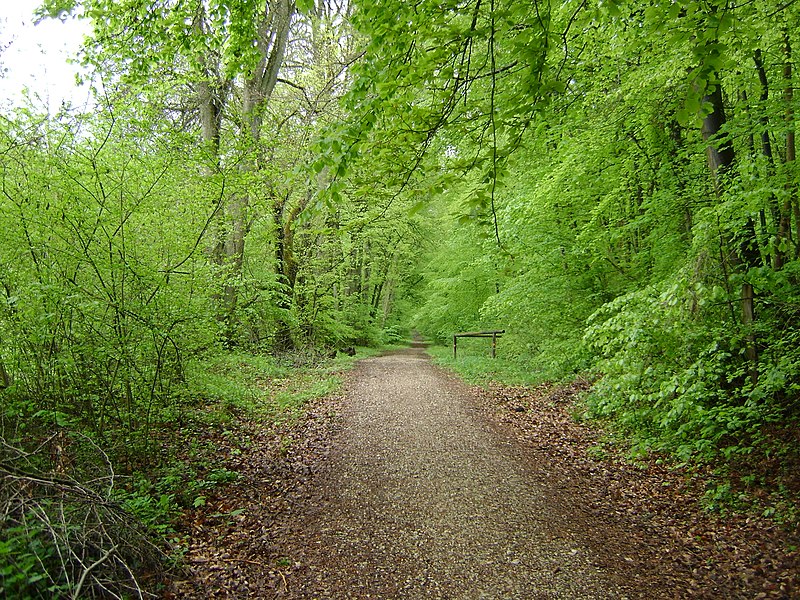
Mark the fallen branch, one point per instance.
(79, 586)
(82, 541)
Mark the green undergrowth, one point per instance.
(752, 472)
(226, 398)
(743, 466)
(475, 364)
(141, 491)
(240, 385)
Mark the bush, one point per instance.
(677, 383)
(66, 537)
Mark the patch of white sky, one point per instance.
(39, 60)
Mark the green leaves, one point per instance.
(107, 261)
(54, 9)
(305, 6)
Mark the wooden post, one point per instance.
(494, 344)
(455, 346)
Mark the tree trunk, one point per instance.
(210, 96)
(273, 37)
(720, 155)
(766, 150)
(210, 102)
(283, 335)
(5, 378)
(271, 42)
(748, 319)
(719, 150)
(790, 202)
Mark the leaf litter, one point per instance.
(675, 544)
(642, 522)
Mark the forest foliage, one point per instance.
(612, 183)
(643, 226)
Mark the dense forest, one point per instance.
(262, 183)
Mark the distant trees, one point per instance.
(620, 186)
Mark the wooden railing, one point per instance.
(482, 334)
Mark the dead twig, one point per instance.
(76, 593)
(81, 540)
(230, 560)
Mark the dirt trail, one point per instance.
(421, 498)
(412, 485)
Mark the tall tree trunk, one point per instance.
(283, 334)
(5, 378)
(271, 42)
(286, 266)
(273, 37)
(790, 202)
(721, 156)
(211, 93)
(719, 150)
(211, 98)
(766, 150)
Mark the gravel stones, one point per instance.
(422, 499)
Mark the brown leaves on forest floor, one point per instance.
(231, 538)
(644, 521)
(697, 554)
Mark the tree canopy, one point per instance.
(613, 183)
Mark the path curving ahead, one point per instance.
(422, 498)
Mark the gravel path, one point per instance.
(421, 498)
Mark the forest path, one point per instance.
(412, 485)
(423, 497)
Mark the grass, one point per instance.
(244, 385)
(476, 365)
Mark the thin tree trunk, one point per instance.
(283, 334)
(748, 319)
(719, 150)
(273, 35)
(210, 101)
(271, 42)
(766, 150)
(5, 378)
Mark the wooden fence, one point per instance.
(479, 334)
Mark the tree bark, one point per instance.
(5, 378)
(271, 42)
(209, 93)
(283, 334)
(790, 203)
(721, 156)
(719, 150)
(273, 37)
(778, 257)
(211, 98)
